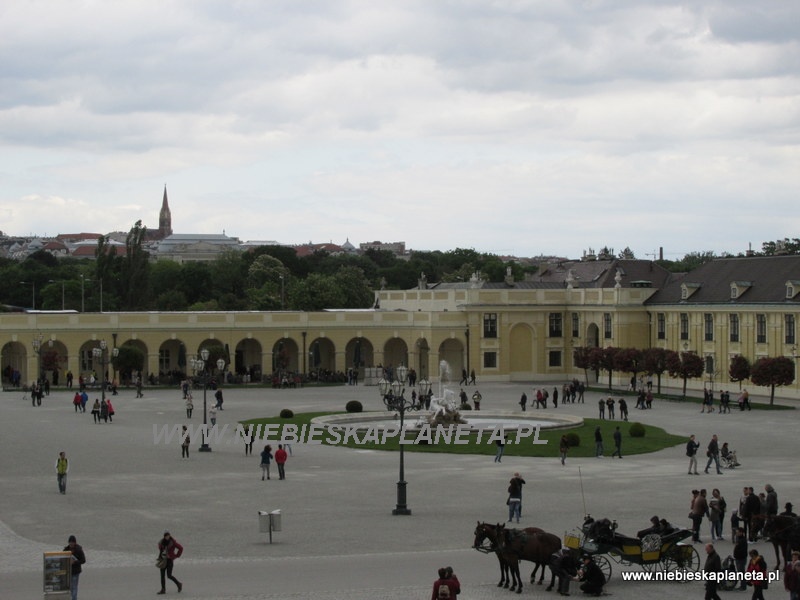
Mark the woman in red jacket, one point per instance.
(757, 565)
(168, 550)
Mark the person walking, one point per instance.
(501, 446)
(601, 405)
(617, 443)
(712, 567)
(515, 497)
(721, 506)
(740, 554)
(563, 448)
(78, 559)
(523, 401)
(219, 398)
(598, 442)
(168, 550)
(185, 442)
(713, 454)
(96, 411)
(280, 460)
(212, 415)
(623, 409)
(691, 452)
(758, 573)
(444, 587)
(104, 411)
(698, 510)
(189, 405)
(110, 408)
(266, 459)
(62, 468)
(139, 393)
(76, 401)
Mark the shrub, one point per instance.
(573, 439)
(636, 430)
(354, 406)
(287, 413)
(465, 406)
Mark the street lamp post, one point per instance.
(63, 303)
(99, 352)
(37, 348)
(83, 292)
(393, 397)
(199, 366)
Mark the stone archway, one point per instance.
(423, 356)
(247, 359)
(359, 353)
(284, 356)
(321, 356)
(593, 336)
(15, 364)
(451, 351)
(395, 353)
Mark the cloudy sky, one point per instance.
(513, 127)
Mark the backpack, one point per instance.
(444, 592)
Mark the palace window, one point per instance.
(163, 361)
(576, 325)
(761, 329)
(556, 325)
(788, 321)
(490, 325)
(490, 360)
(734, 328)
(607, 326)
(684, 326)
(708, 327)
(661, 326)
(555, 358)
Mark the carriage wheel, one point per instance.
(604, 564)
(681, 557)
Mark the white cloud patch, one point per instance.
(525, 127)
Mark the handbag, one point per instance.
(161, 563)
(508, 500)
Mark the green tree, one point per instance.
(772, 372)
(316, 292)
(135, 270)
(355, 288)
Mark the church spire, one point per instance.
(165, 217)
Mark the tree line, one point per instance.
(770, 372)
(265, 278)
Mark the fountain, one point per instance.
(444, 407)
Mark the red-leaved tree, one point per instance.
(602, 359)
(686, 365)
(772, 372)
(582, 356)
(739, 369)
(629, 360)
(655, 363)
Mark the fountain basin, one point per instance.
(476, 420)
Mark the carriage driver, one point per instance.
(591, 576)
(655, 527)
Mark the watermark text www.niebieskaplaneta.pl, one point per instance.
(342, 435)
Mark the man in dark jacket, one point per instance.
(713, 565)
(592, 577)
(78, 559)
(691, 452)
(752, 510)
(713, 454)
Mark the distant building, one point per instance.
(396, 248)
(194, 247)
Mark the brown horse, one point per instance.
(783, 531)
(512, 545)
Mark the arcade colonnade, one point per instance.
(254, 342)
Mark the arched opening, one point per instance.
(322, 360)
(451, 351)
(359, 354)
(247, 360)
(284, 357)
(14, 360)
(593, 336)
(395, 353)
(172, 362)
(423, 354)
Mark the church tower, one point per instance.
(164, 218)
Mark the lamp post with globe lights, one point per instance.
(199, 367)
(392, 393)
(99, 352)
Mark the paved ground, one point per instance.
(339, 539)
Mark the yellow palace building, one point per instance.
(508, 331)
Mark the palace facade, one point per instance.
(511, 331)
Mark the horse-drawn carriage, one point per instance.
(653, 552)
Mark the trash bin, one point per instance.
(263, 521)
(275, 515)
